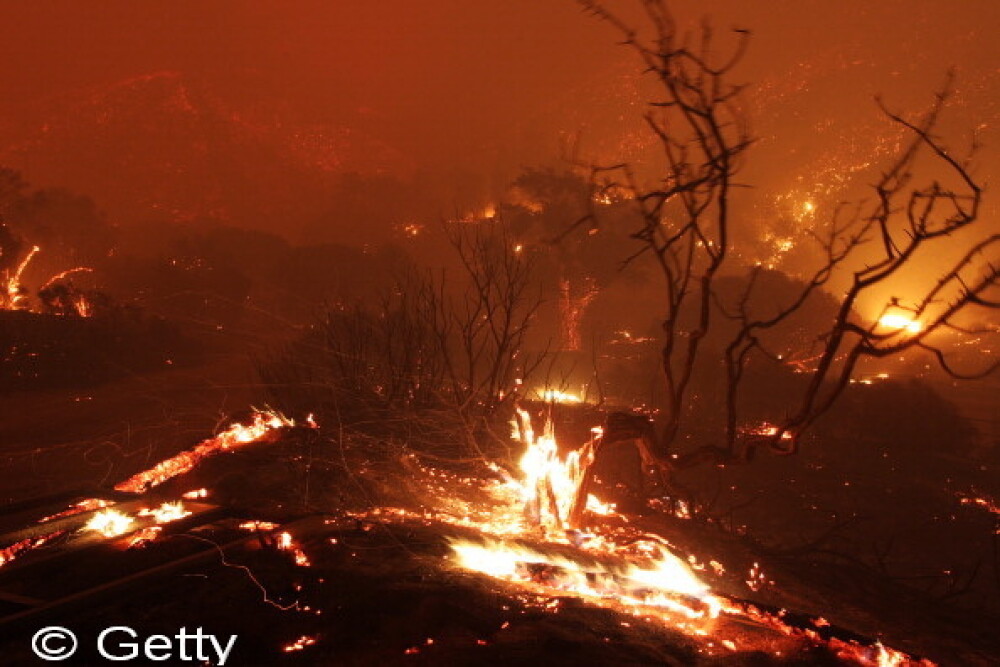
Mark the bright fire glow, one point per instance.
(110, 523)
(667, 582)
(557, 396)
(551, 482)
(13, 286)
(900, 323)
(596, 506)
(285, 542)
(888, 657)
(530, 536)
(166, 512)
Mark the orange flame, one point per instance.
(666, 582)
(13, 285)
(550, 489)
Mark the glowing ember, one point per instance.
(757, 579)
(87, 505)
(259, 526)
(286, 543)
(768, 430)
(8, 554)
(299, 644)
(196, 494)
(987, 504)
(235, 436)
(143, 537)
(110, 523)
(900, 322)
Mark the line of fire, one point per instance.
(592, 333)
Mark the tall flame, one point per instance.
(551, 485)
(14, 298)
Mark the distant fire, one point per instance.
(15, 298)
(299, 644)
(767, 430)
(985, 503)
(558, 396)
(56, 295)
(901, 322)
(286, 542)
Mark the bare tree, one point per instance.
(449, 344)
(482, 329)
(686, 225)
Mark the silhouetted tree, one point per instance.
(686, 224)
(579, 264)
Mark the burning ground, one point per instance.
(314, 544)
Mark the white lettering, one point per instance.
(158, 642)
(223, 655)
(185, 646)
(127, 645)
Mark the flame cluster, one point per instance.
(665, 582)
(644, 578)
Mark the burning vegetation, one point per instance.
(621, 410)
(542, 547)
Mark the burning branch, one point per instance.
(237, 435)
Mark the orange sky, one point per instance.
(450, 88)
